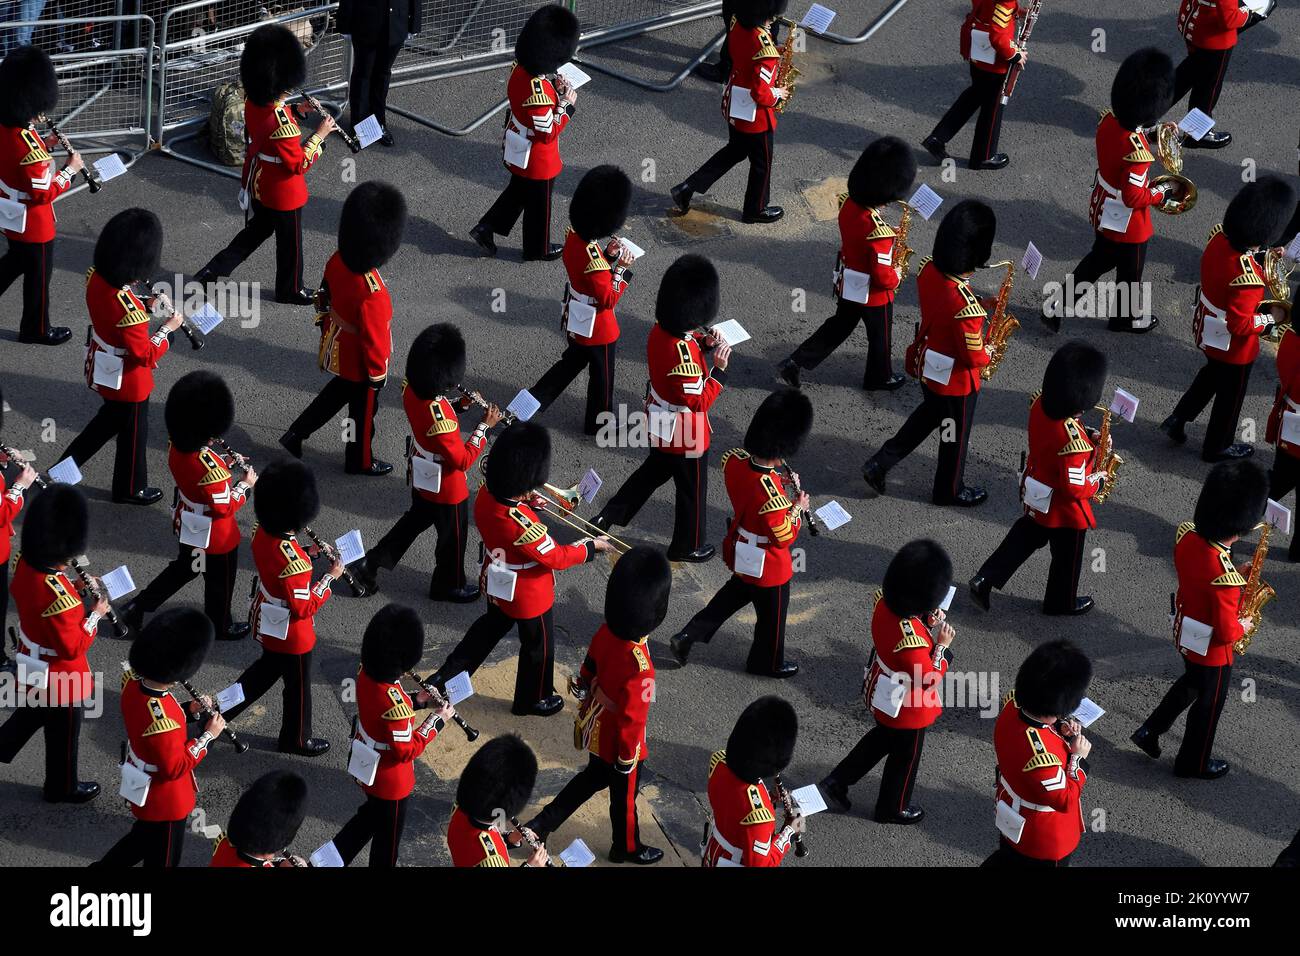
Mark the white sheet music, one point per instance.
(635, 251)
(350, 547)
(808, 800)
(460, 688)
(1087, 712)
(1293, 249)
(833, 515)
(207, 318)
(109, 167)
(574, 76)
(1124, 404)
(327, 856)
(577, 854)
(232, 696)
(1032, 261)
(925, 201)
(731, 332)
(118, 582)
(589, 485)
(947, 598)
(524, 405)
(66, 472)
(818, 18)
(368, 131)
(1196, 124)
(1279, 516)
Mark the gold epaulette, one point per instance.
(1104, 113)
(758, 813)
(687, 367)
(534, 531)
(924, 261)
(1183, 528)
(642, 658)
(89, 272)
(161, 723)
(1140, 153)
(910, 640)
(1041, 760)
(1003, 14)
(1034, 396)
(1077, 443)
(1248, 275)
(490, 855)
(216, 471)
(400, 710)
(1214, 232)
(776, 499)
(287, 129)
(876, 598)
(715, 758)
(1231, 577)
(128, 675)
(216, 844)
(1008, 697)
(596, 261)
(882, 229)
(36, 152)
(539, 96)
(131, 316)
(64, 600)
(738, 453)
(972, 309)
(441, 423)
(372, 280)
(841, 199)
(766, 48)
(293, 562)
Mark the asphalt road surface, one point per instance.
(776, 282)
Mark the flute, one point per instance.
(344, 135)
(160, 304)
(438, 700)
(531, 840)
(92, 183)
(229, 733)
(332, 553)
(788, 802)
(806, 513)
(22, 462)
(93, 590)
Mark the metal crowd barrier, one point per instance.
(867, 33)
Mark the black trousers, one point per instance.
(154, 843)
(1226, 384)
(1006, 855)
(985, 95)
(1202, 72)
(286, 226)
(767, 653)
(934, 411)
(532, 198)
(831, 334)
(362, 401)
(690, 478)
(1027, 536)
(34, 261)
(535, 676)
(62, 727)
(598, 360)
(128, 423)
(219, 572)
(377, 822)
(452, 525)
(589, 781)
(4, 610)
(1126, 258)
(901, 751)
(757, 148)
(372, 71)
(1282, 480)
(295, 671)
(1204, 690)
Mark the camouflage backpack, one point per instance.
(226, 124)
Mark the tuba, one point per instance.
(1257, 591)
(902, 251)
(1277, 276)
(1107, 461)
(787, 74)
(1003, 324)
(1169, 149)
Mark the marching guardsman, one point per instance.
(160, 758)
(200, 409)
(54, 633)
(865, 274)
(1060, 480)
(1282, 431)
(121, 354)
(1229, 318)
(947, 354)
(285, 603)
(28, 178)
(1122, 195)
(264, 823)
(11, 502)
(276, 160)
(719, 72)
(493, 789)
(386, 725)
(742, 829)
(988, 43)
(1210, 28)
(749, 107)
(616, 684)
(768, 507)
(438, 459)
(1042, 760)
(356, 337)
(520, 559)
(540, 110)
(903, 684)
(683, 387)
(1207, 615)
(598, 277)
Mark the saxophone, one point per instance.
(1257, 591)
(1107, 461)
(902, 251)
(1003, 324)
(786, 72)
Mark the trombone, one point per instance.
(563, 503)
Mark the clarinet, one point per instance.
(332, 553)
(92, 183)
(799, 848)
(96, 594)
(240, 461)
(240, 745)
(507, 418)
(160, 302)
(344, 135)
(20, 461)
(438, 700)
(809, 518)
(1022, 41)
(531, 840)
(292, 859)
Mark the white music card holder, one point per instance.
(273, 621)
(938, 367)
(426, 475)
(888, 694)
(231, 697)
(580, 318)
(501, 582)
(196, 529)
(13, 215)
(1215, 334)
(118, 582)
(1038, 496)
(108, 369)
(368, 131)
(1278, 515)
(363, 762)
(856, 286)
(1194, 635)
(32, 670)
(65, 472)
(109, 167)
(742, 105)
(135, 784)
(750, 559)
(1115, 215)
(1009, 823)
(981, 47)
(1291, 428)
(517, 149)
(327, 857)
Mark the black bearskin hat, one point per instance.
(172, 645)
(762, 742)
(129, 247)
(1052, 680)
(754, 13)
(636, 595)
(31, 88)
(371, 226)
(393, 643)
(286, 497)
(272, 64)
(56, 526)
(268, 815)
(600, 203)
(917, 579)
(1258, 212)
(964, 239)
(688, 295)
(1073, 380)
(780, 424)
(883, 173)
(436, 362)
(1143, 89)
(498, 780)
(520, 460)
(1233, 500)
(548, 40)
(199, 408)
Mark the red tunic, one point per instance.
(952, 324)
(514, 536)
(120, 325)
(277, 156)
(761, 518)
(754, 59)
(474, 845)
(1232, 287)
(156, 742)
(1124, 158)
(203, 481)
(681, 385)
(356, 337)
(867, 245)
(535, 114)
(625, 676)
(11, 502)
(596, 282)
(743, 831)
(53, 624)
(1288, 391)
(1209, 591)
(386, 721)
(997, 18)
(1061, 456)
(906, 653)
(1035, 771)
(226, 855)
(284, 577)
(436, 433)
(27, 176)
(1211, 24)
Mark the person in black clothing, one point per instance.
(719, 72)
(377, 28)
